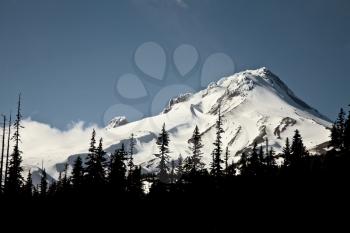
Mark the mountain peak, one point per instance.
(256, 76)
(248, 83)
(262, 71)
(116, 122)
(241, 84)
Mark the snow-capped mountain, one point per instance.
(255, 104)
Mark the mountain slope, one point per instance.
(255, 104)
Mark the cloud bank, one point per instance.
(42, 143)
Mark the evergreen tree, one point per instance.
(28, 187)
(187, 165)
(271, 162)
(131, 152)
(253, 162)
(243, 163)
(8, 151)
(196, 146)
(36, 193)
(52, 191)
(91, 159)
(298, 149)
(78, 173)
(135, 185)
(338, 130)
(59, 183)
(267, 146)
(172, 172)
(15, 178)
(287, 154)
(347, 133)
(2, 153)
(179, 167)
(261, 154)
(335, 142)
(227, 156)
(163, 155)
(92, 149)
(65, 183)
(217, 161)
(261, 160)
(95, 172)
(212, 163)
(117, 170)
(43, 184)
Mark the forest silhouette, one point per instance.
(261, 185)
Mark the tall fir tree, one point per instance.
(130, 162)
(135, 186)
(59, 183)
(217, 161)
(36, 192)
(335, 142)
(337, 131)
(95, 164)
(266, 146)
(227, 157)
(92, 148)
(261, 160)
(8, 151)
(187, 165)
(180, 167)
(2, 153)
(347, 134)
(163, 155)
(131, 153)
(101, 162)
(15, 178)
(253, 162)
(270, 162)
(298, 150)
(243, 164)
(52, 190)
(28, 187)
(91, 160)
(66, 181)
(261, 154)
(43, 183)
(78, 173)
(195, 146)
(286, 154)
(212, 163)
(117, 170)
(172, 174)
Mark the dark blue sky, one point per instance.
(65, 56)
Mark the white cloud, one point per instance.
(43, 143)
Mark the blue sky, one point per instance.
(66, 56)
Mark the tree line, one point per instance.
(116, 175)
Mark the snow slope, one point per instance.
(254, 104)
